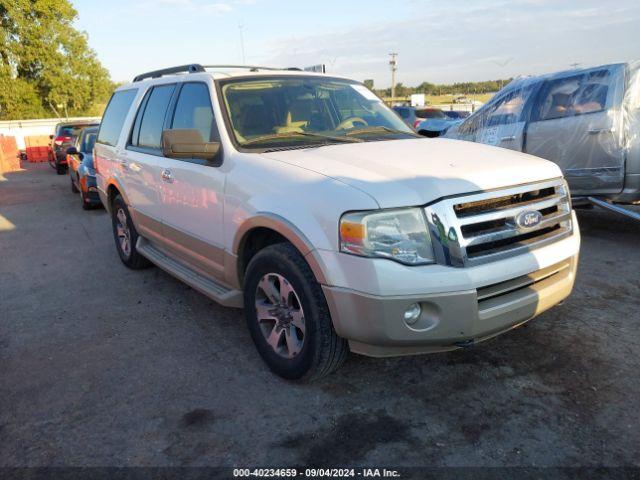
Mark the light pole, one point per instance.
(394, 67)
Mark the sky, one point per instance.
(439, 41)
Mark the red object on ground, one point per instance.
(37, 154)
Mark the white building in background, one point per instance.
(26, 128)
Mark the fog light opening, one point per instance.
(412, 313)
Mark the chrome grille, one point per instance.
(483, 227)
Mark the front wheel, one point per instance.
(86, 205)
(126, 236)
(61, 169)
(288, 317)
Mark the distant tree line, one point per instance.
(466, 88)
(46, 66)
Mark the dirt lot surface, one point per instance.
(100, 365)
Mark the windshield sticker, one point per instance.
(365, 92)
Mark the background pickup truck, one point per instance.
(587, 121)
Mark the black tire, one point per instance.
(74, 189)
(85, 205)
(133, 259)
(61, 169)
(322, 350)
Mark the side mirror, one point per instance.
(51, 137)
(72, 151)
(187, 143)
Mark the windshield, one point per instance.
(285, 112)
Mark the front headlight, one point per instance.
(400, 235)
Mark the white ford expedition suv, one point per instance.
(304, 199)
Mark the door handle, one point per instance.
(509, 138)
(596, 131)
(167, 176)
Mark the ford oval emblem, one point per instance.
(528, 219)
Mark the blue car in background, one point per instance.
(436, 123)
(412, 116)
(81, 171)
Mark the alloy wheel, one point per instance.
(280, 315)
(123, 233)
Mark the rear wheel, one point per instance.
(288, 317)
(61, 169)
(126, 236)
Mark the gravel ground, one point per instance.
(103, 366)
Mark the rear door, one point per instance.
(140, 161)
(111, 129)
(192, 190)
(576, 125)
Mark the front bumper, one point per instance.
(459, 305)
(90, 189)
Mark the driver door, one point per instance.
(503, 123)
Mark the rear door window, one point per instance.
(575, 95)
(114, 116)
(88, 141)
(153, 117)
(194, 111)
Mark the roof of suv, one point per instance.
(218, 72)
(79, 123)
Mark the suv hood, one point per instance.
(412, 172)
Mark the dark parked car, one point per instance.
(436, 123)
(457, 114)
(81, 171)
(65, 135)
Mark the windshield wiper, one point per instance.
(377, 129)
(275, 136)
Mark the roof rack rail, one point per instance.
(253, 68)
(197, 68)
(191, 68)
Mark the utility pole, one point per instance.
(240, 27)
(574, 65)
(394, 67)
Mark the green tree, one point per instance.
(369, 84)
(46, 65)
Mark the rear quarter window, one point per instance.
(114, 116)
